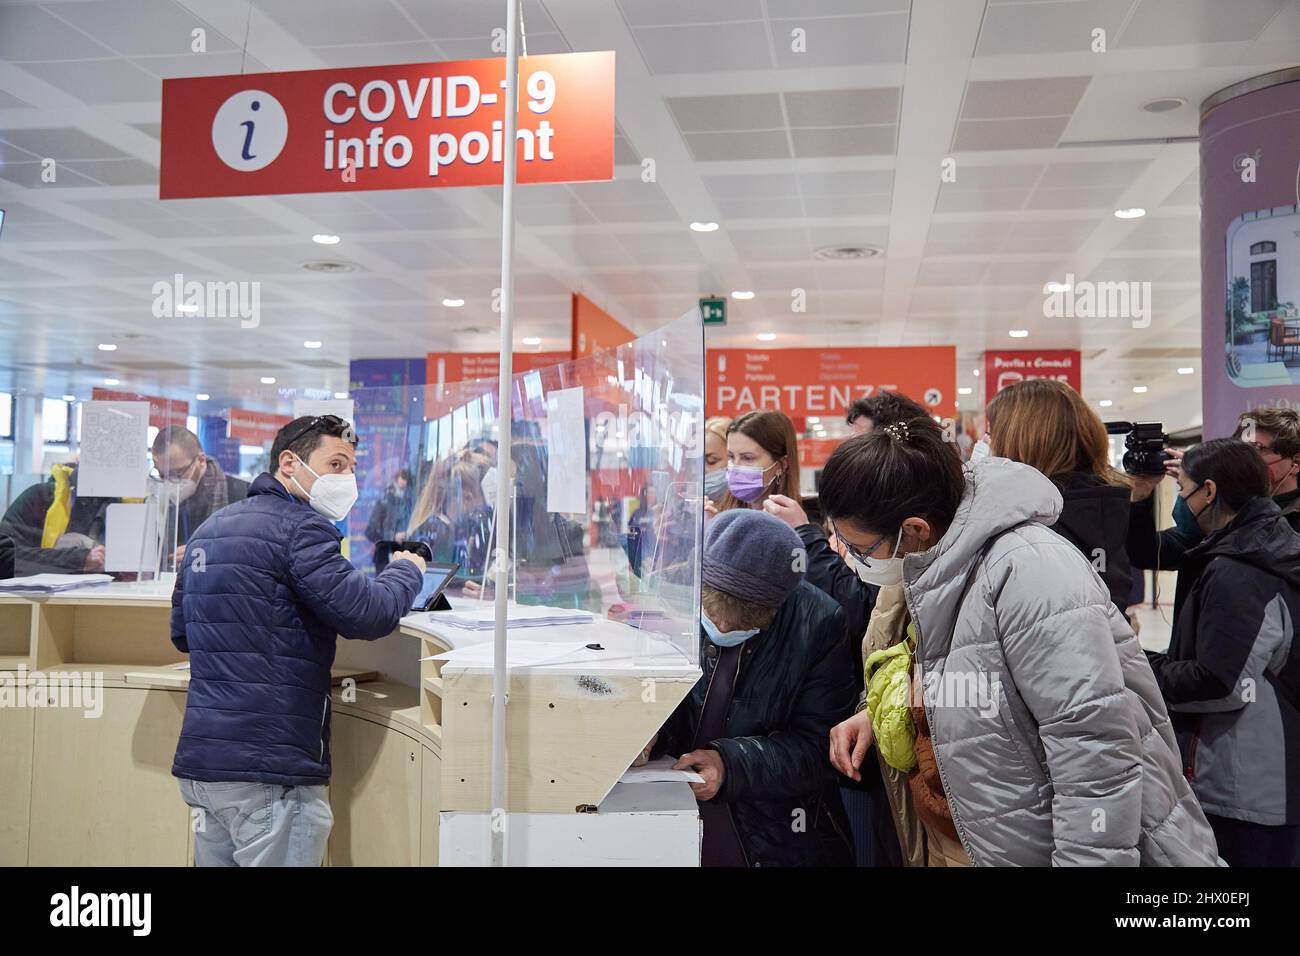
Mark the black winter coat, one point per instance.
(24, 524)
(794, 684)
(1231, 676)
(1094, 518)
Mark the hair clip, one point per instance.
(897, 431)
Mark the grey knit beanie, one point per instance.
(752, 556)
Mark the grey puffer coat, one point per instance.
(1052, 740)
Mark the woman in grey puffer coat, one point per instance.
(1052, 741)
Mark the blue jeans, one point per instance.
(258, 824)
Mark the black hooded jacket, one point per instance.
(1094, 518)
(1231, 676)
(794, 683)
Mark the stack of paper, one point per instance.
(53, 583)
(484, 618)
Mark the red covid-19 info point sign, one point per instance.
(386, 127)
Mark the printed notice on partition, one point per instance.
(566, 447)
(114, 450)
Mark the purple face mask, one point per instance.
(746, 482)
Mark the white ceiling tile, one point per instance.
(1007, 99)
(1168, 22)
(63, 145)
(980, 200)
(1059, 26)
(877, 204)
(841, 41)
(843, 107)
(195, 64)
(704, 48)
(777, 207)
(978, 135)
(472, 18)
(136, 27)
(720, 113)
(729, 146)
(377, 54)
(100, 81)
(1081, 198)
(644, 13)
(323, 22)
(845, 141)
(116, 172)
(31, 33)
(752, 186)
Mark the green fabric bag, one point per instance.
(888, 675)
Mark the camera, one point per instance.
(1144, 444)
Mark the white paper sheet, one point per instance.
(659, 770)
(129, 537)
(566, 449)
(114, 450)
(518, 653)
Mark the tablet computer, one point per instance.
(437, 575)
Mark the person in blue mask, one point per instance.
(1231, 676)
(715, 458)
(777, 676)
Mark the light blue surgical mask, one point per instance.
(727, 638)
(715, 484)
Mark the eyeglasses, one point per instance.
(1264, 449)
(863, 555)
(169, 474)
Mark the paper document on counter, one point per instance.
(518, 653)
(659, 770)
(54, 583)
(484, 618)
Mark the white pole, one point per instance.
(504, 478)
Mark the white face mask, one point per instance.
(882, 572)
(331, 495)
(489, 486)
(980, 450)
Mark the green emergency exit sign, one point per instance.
(714, 311)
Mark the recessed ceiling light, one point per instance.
(975, 372)
(813, 420)
(704, 227)
(311, 344)
(1164, 104)
(1139, 389)
(1133, 212)
(766, 336)
(202, 397)
(1105, 403)
(111, 381)
(965, 390)
(1058, 287)
(742, 294)
(1018, 333)
(69, 398)
(107, 347)
(840, 253)
(268, 379)
(453, 303)
(340, 395)
(325, 239)
(330, 266)
(1186, 370)
(187, 308)
(532, 340)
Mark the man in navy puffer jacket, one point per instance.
(262, 593)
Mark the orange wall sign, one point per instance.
(443, 368)
(254, 428)
(411, 126)
(1003, 368)
(813, 452)
(803, 382)
(162, 411)
(594, 329)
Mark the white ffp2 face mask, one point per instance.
(882, 572)
(331, 495)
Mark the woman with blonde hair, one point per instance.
(1048, 425)
(762, 460)
(715, 457)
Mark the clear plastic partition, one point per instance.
(607, 483)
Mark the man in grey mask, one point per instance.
(192, 478)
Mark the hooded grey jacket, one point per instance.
(1051, 737)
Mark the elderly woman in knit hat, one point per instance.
(777, 676)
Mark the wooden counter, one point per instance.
(98, 790)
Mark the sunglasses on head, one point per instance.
(331, 420)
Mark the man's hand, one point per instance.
(473, 589)
(411, 556)
(849, 742)
(95, 558)
(708, 764)
(643, 757)
(787, 509)
(399, 537)
(710, 509)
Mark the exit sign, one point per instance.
(714, 311)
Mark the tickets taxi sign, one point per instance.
(386, 127)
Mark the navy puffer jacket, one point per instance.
(260, 598)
